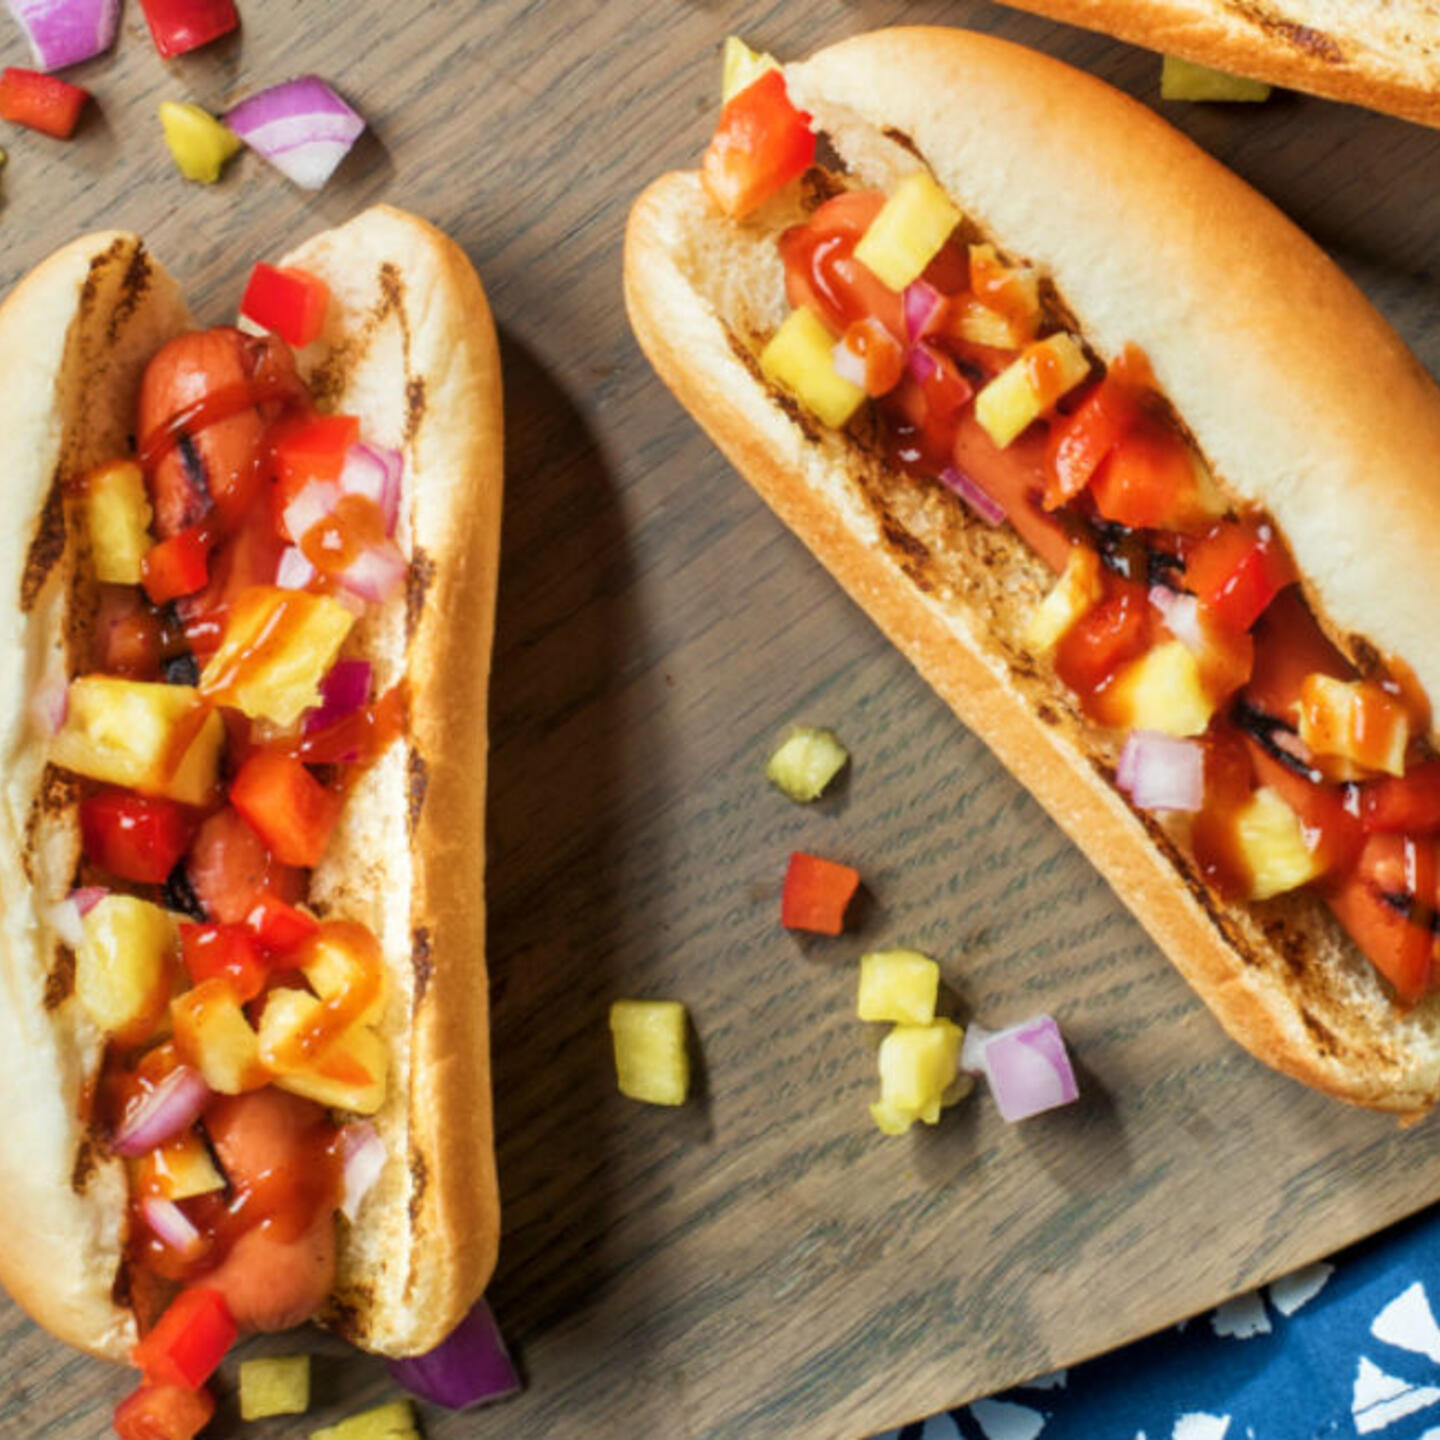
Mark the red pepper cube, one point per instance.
(1236, 569)
(308, 448)
(230, 952)
(42, 102)
(288, 302)
(177, 566)
(163, 1412)
(761, 144)
(137, 837)
(816, 894)
(280, 928)
(177, 26)
(290, 810)
(189, 1340)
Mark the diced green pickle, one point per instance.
(806, 763)
(274, 1385)
(651, 1061)
(1185, 80)
(395, 1421)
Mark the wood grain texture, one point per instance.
(761, 1262)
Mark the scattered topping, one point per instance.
(41, 102)
(179, 1169)
(979, 500)
(65, 32)
(651, 1060)
(274, 1385)
(302, 127)
(470, 1367)
(1027, 1066)
(347, 1074)
(161, 1114)
(1077, 591)
(121, 971)
(287, 301)
(199, 144)
(1164, 690)
(915, 221)
(899, 985)
(918, 1070)
(1030, 386)
(213, 1034)
(742, 67)
(1187, 80)
(1274, 846)
(1354, 720)
(800, 358)
(117, 518)
(163, 1412)
(178, 26)
(393, 1421)
(816, 894)
(188, 1341)
(172, 1227)
(763, 143)
(806, 763)
(1162, 774)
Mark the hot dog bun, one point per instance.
(1382, 57)
(408, 345)
(1251, 331)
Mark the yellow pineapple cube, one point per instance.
(1077, 591)
(178, 1169)
(907, 234)
(348, 1073)
(122, 969)
(651, 1060)
(1029, 386)
(1004, 309)
(918, 1065)
(1185, 80)
(806, 763)
(900, 985)
(980, 325)
(212, 1033)
(125, 732)
(1272, 841)
(274, 1385)
(742, 67)
(800, 359)
(332, 967)
(392, 1421)
(117, 517)
(1163, 690)
(277, 647)
(1353, 720)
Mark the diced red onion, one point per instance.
(364, 1158)
(1181, 614)
(924, 309)
(169, 1108)
(87, 897)
(65, 32)
(1028, 1069)
(64, 918)
(302, 127)
(343, 691)
(984, 505)
(375, 473)
(294, 572)
(470, 1367)
(311, 503)
(921, 364)
(50, 702)
(376, 573)
(848, 365)
(1162, 773)
(170, 1223)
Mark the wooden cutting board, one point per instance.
(760, 1262)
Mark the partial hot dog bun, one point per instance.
(1253, 334)
(1385, 57)
(409, 345)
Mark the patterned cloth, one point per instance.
(1348, 1347)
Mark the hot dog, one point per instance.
(1130, 484)
(193, 857)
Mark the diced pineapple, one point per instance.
(1077, 590)
(1163, 690)
(900, 985)
(890, 1120)
(348, 1073)
(126, 732)
(178, 1169)
(651, 1060)
(334, 962)
(393, 1421)
(742, 67)
(1007, 299)
(1355, 720)
(806, 763)
(117, 516)
(907, 234)
(1272, 841)
(1185, 80)
(980, 325)
(277, 647)
(1029, 386)
(918, 1065)
(274, 1385)
(122, 969)
(212, 1034)
(800, 359)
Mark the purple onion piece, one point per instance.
(343, 691)
(65, 32)
(1161, 772)
(302, 127)
(924, 305)
(470, 1367)
(294, 571)
(1029, 1069)
(173, 1226)
(363, 1153)
(375, 472)
(982, 503)
(921, 364)
(169, 1108)
(376, 573)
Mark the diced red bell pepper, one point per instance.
(821, 270)
(1147, 481)
(1080, 442)
(137, 837)
(189, 1340)
(1401, 946)
(310, 448)
(1104, 639)
(816, 894)
(42, 102)
(290, 810)
(289, 302)
(181, 25)
(178, 566)
(763, 143)
(1289, 645)
(279, 928)
(163, 1412)
(1236, 569)
(229, 951)
(1403, 805)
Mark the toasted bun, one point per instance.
(410, 347)
(1386, 57)
(1248, 327)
